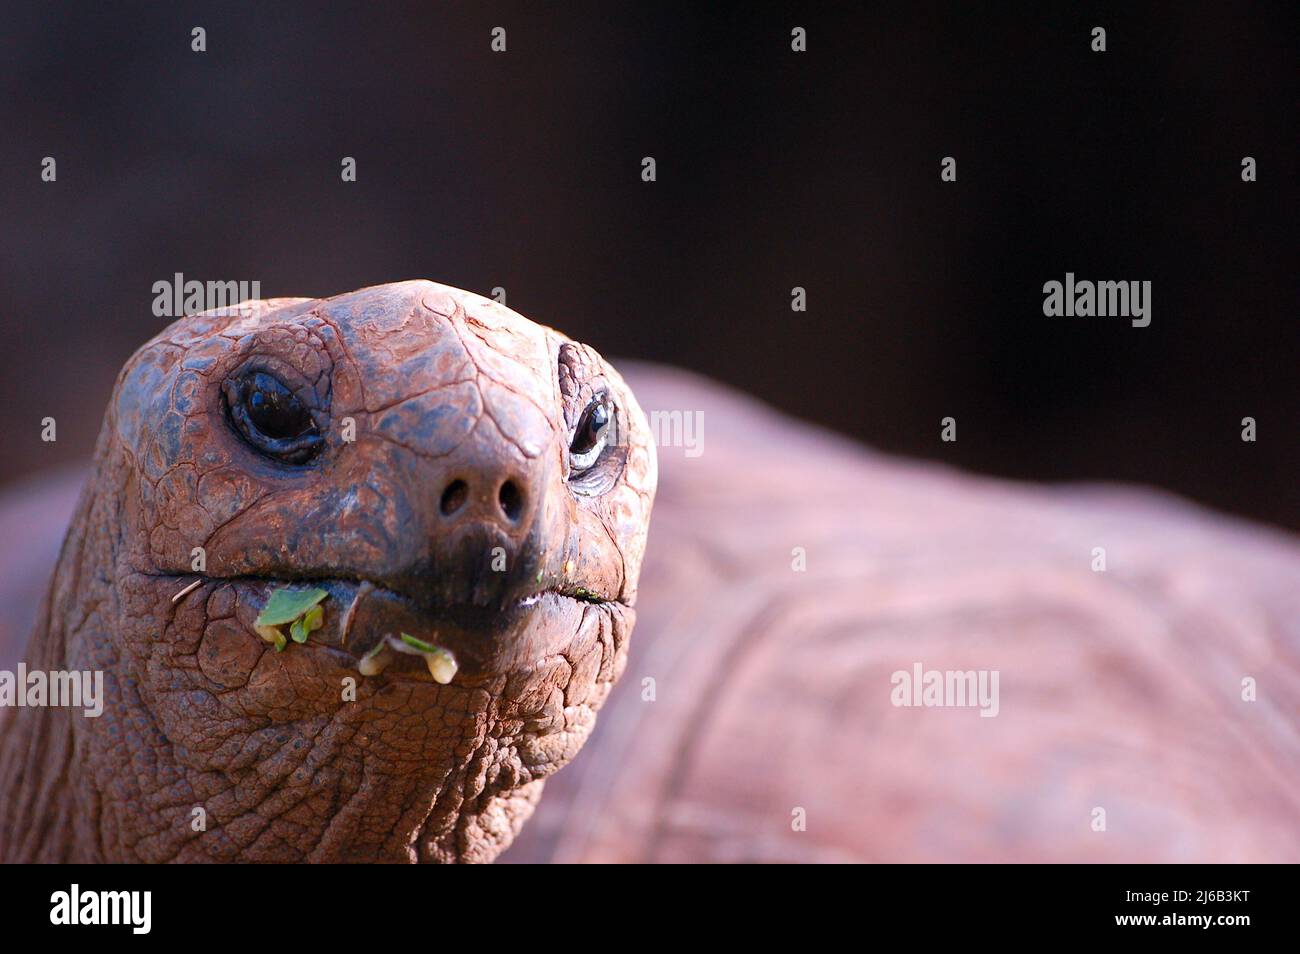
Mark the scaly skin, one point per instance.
(201, 713)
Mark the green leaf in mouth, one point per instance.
(419, 644)
(298, 608)
(311, 620)
(272, 636)
(287, 605)
(441, 663)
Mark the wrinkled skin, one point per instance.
(202, 713)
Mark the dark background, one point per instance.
(775, 169)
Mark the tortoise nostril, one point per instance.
(511, 500)
(453, 498)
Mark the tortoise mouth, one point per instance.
(359, 618)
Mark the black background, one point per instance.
(775, 169)
(306, 905)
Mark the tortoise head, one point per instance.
(407, 524)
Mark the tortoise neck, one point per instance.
(41, 783)
(39, 815)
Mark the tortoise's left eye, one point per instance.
(591, 435)
(271, 417)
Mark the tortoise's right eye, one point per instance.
(268, 415)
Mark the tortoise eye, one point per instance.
(591, 435)
(271, 417)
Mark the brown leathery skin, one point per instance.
(200, 712)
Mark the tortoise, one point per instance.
(1146, 713)
(452, 502)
